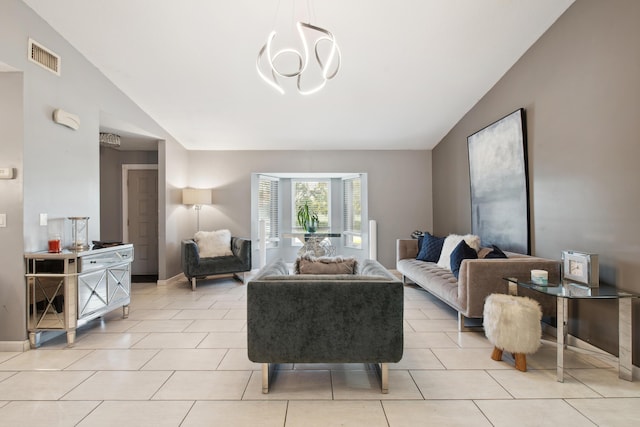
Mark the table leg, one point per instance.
(265, 378)
(562, 315)
(625, 367)
(71, 337)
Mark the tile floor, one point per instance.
(180, 360)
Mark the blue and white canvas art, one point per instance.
(499, 184)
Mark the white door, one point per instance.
(143, 220)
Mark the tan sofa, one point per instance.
(478, 278)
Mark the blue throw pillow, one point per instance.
(496, 253)
(461, 252)
(430, 248)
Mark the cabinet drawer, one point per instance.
(105, 259)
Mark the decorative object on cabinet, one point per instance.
(499, 184)
(581, 267)
(196, 197)
(79, 233)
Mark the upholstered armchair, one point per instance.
(195, 266)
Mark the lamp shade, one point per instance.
(196, 196)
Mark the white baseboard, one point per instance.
(15, 346)
(171, 280)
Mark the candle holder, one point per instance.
(79, 233)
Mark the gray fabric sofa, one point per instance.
(325, 318)
(196, 267)
(478, 278)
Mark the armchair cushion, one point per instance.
(213, 243)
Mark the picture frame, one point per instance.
(498, 177)
(580, 267)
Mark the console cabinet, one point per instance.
(67, 289)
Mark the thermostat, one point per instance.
(6, 173)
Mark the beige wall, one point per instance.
(399, 187)
(580, 87)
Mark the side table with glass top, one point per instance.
(567, 291)
(317, 243)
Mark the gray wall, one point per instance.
(174, 220)
(580, 87)
(399, 187)
(111, 162)
(11, 237)
(58, 169)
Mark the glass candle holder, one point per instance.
(79, 233)
(55, 244)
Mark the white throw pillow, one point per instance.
(450, 243)
(213, 243)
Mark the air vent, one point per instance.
(44, 57)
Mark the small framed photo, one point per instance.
(581, 268)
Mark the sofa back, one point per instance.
(294, 318)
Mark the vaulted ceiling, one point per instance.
(410, 69)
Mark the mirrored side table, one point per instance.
(568, 291)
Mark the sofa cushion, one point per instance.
(461, 252)
(213, 243)
(430, 248)
(308, 264)
(495, 253)
(450, 244)
(276, 268)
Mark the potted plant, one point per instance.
(307, 218)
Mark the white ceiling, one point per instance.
(410, 68)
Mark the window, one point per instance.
(352, 212)
(317, 195)
(268, 208)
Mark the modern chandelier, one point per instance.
(318, 61)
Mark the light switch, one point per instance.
(43, 219)
(3, 220)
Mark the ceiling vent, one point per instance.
(44, 57)
(109, 139)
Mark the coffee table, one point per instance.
(568, 291)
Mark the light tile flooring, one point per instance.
(180, 359)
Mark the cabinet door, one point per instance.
(119, 284)
(92, 292)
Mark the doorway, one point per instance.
(140, 217)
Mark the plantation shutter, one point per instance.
(352, 212)
(268, 188)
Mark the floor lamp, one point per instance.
(196, 197)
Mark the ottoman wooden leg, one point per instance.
(497, 354)
(521, 361)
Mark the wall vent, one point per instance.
(44, 57)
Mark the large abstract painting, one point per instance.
(499, 184)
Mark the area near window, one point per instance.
(339, 199)
(268, 208)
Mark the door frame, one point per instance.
(125, 197)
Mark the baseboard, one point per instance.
(15, 346)
(171, 280)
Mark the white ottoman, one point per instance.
(512, 324)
